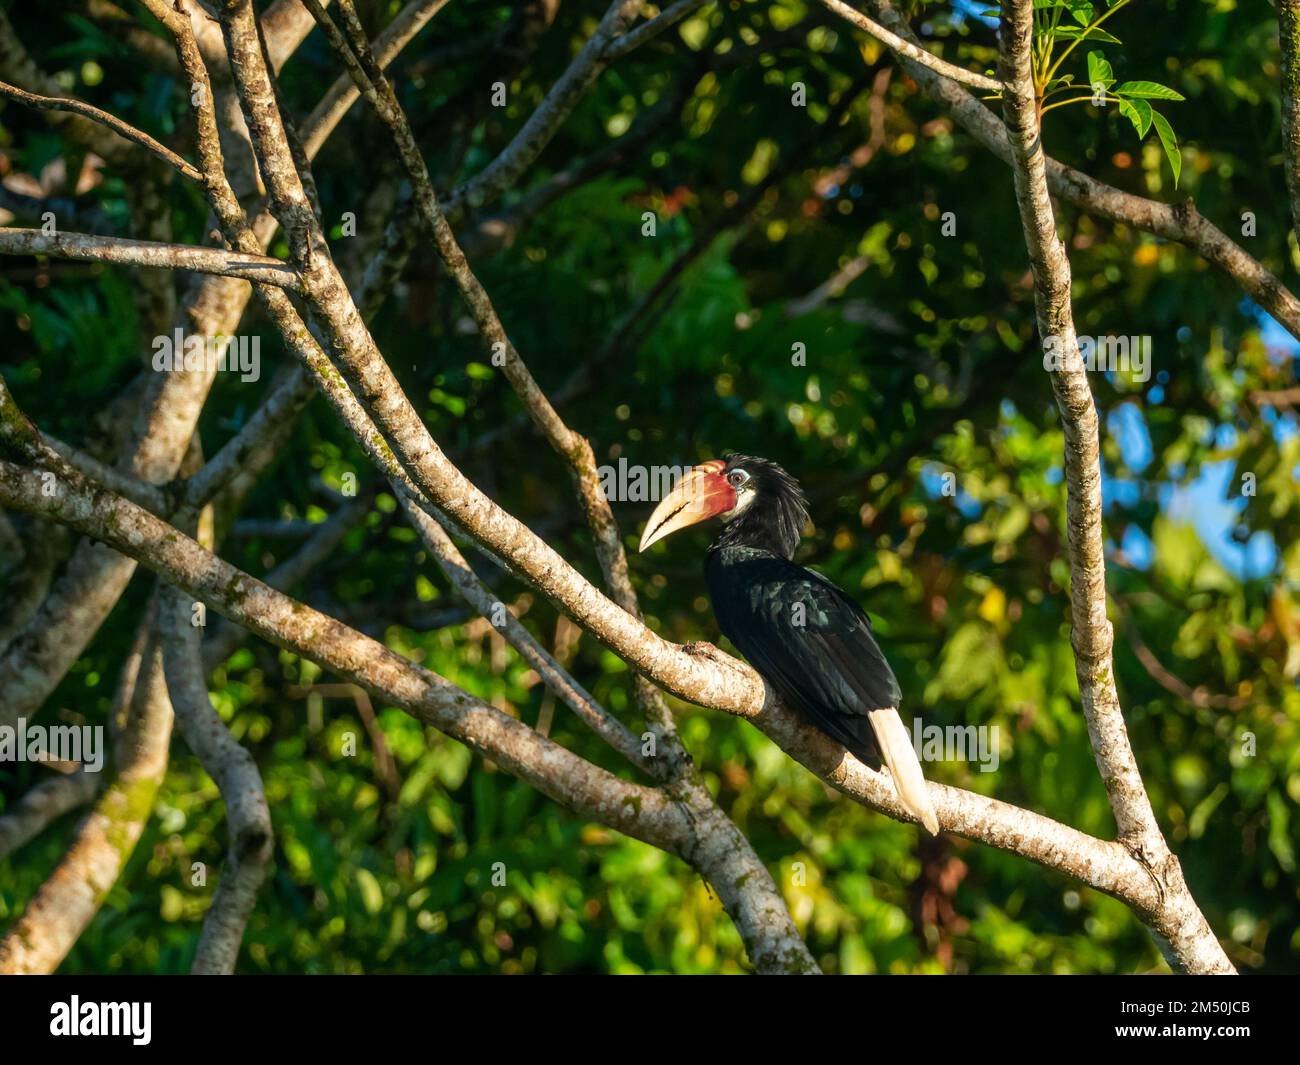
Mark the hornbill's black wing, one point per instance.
(811, 642)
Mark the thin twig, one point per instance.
(88, 248)
(912, 51)
(122, 129)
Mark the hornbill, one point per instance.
(805, 636)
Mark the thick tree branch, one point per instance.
(1092, 635)
(326, 536)
(96, 576)
(325, 292)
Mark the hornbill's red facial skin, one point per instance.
(810, 641)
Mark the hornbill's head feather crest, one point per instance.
(771, 509)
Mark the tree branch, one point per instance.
(43, 805)
(722, 854)
(634, 38)
(1189, 941)
(551, 113)
(122, 129)
(1288, 22)
(555, 676)
(237, 778)
(87, 248)
(912, 51)
(223, 639)
(340, 97)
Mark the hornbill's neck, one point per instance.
(773, 519)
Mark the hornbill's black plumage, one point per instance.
(807, 637)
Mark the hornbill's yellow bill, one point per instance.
(702, 494)
(809, 639)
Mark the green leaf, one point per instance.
(1080, 11)
(1069, 33)
(372, 895)
(1170, 144)
(1149, 89)
(1278, 836)
(1099, 69)
(1138, 112)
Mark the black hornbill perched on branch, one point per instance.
(807, 637)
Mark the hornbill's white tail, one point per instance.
(896, 748)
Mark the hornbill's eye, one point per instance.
(736, 478)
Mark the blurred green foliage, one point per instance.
(925, 361)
